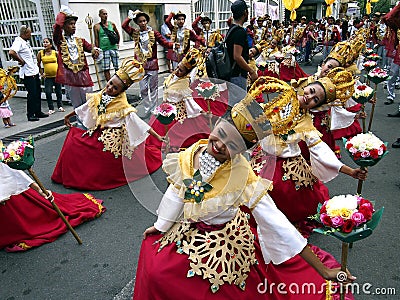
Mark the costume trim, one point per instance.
(114, 140)
(66, 59)
(185, 42)
(221, 256)
(142, 57)
(94, 200)
(299, 171)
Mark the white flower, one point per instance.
(341, 202)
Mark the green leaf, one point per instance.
(187, 181)
(207, 187)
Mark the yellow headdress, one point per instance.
(298, 34)
(329, 88)
(8, 85)
(278, 34)
(191, 58)
(283, 112)
(130, 71)
(347, 52)
(343, 83)
(250, 120)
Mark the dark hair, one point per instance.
(227, 117)
(51, 42)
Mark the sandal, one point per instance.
(6, 125)
(12, 124)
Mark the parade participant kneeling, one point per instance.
(111, 152)
(28, 219)
(208, 249)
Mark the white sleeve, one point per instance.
(137, 129)
(324, 163)
(13, 182)
(341, 118)
(169, 210)
(85, 116)
(16, 45)
(192, 108)
(279, 239)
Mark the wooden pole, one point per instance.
(89, 22)
(59, 212)
(363, 119)
(209, 114)
(345, 252)
(372, 109)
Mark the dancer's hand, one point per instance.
(149, 231)
(339, 276)
(359, 174)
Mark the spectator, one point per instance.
(238, 48)
(146, 52)
(5, 112)
(48, 57)
(73, 70)
(22, 52)
(331, 36)
(102, 41)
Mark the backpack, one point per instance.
(112, 35)
(218, 63)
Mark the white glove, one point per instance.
(131, 15)
(202, 15)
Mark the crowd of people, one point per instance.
(227, 221)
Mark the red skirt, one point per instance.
(287, 73)
(29, 220)
(296, 205)
(84, 165)
(217, 107)
(180, 135)
(162, 276)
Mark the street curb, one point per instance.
(49, 133)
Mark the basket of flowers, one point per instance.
(363, 93)
(349, 218)
(365, 149)
(165, 113)
(369, 65)
(19, 154)
(373, 57)
(377, 75)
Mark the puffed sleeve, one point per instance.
(169, 210)
(138, 130)
(324, 163)
(341, 117)
(13, 182)
(279, 239)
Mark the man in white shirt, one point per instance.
(22, 52)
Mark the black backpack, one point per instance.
(112, 35)
(218, 63)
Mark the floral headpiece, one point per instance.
(130, 71)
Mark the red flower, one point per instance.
(374, 153)
(383, 147)
(206, 85)
(348, 226)
(323, 209)
(276, 109)
(366, 211)
(357, 155)
(361, 87)
(349, 145)
(326, 220)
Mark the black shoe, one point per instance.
(42, 115)
(388, 101)
(396, 144)
(396, 115)
(33, 119)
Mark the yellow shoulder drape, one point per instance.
(292, 5)
(329, 7)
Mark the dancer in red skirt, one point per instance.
(298, 187)
(209, 251)
(111, 152)
(27, 217)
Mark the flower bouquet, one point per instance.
(19, 154)
(365, 149)
(363, 93)
(165, 113)
(368, 51)
(349, 218)
(207, 90)
(369, 65)
(377, 75)
(294, 52)
(262, 65)
(373, 57)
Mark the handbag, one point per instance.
(112, 35)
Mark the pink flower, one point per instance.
(352, 150)
(337, 221)
(358, 218)
(326, 220)
(365, 154)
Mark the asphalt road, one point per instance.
(104, 266)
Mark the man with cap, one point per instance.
(73, 70)
(331, 36)
(181, 35)
(22, 52)
(146, 53)
(204, 31)
(102, 41)
(238, 49)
